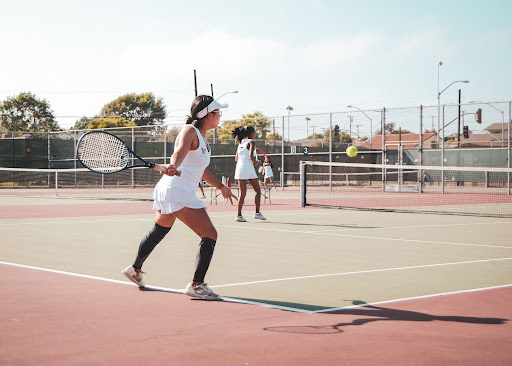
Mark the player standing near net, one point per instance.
(268, 174)
(175, 196)
(245, 162)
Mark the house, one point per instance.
(407, 140)
(496, 136)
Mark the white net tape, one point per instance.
(103, 152)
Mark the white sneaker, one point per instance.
(259, 216)
(204, 197)
(201, 291)
(275, 189)
(240, 219)
(134, 276)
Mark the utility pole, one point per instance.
(195, 82)
(350, 126)
(458, 124)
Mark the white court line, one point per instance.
(364, 237)
(260, 227)
(165, 289)
(410, 298)
(235, 300)
(360, 272)
(416, 226)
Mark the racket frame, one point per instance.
(145, 163)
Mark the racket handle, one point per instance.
(162, 168)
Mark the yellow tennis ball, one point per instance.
(351, 151)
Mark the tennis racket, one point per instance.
(103, 152)
(265, 155)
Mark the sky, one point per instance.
(316, 56)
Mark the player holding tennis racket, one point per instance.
(245, 162)
(175, 196)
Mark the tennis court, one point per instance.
(309, 285)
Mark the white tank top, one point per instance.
(244, 153)
(192, 167)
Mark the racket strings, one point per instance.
(103, 152)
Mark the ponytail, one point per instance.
(199, 103)
(239, 133)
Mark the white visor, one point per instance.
(210, 108)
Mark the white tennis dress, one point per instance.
(244, 168)
(268, 171)
(171, 194)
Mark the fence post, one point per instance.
(330, 151)
(133, 149)
(282, 157)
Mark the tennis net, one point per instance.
(476, 191)
(130, 184)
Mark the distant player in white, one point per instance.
(246, 160)
(268, 173)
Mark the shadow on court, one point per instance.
(378, 313)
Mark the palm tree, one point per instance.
(289, 108)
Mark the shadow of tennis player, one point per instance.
(373, 313)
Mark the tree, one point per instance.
(110, 122)
(260, 123)
(82, 123)
(390, 129)
(142, 109)
(342, 137)
(26, 112)
(274, 137)
(173, 133)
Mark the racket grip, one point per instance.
(162, 168)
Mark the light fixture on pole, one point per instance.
(502, 120)
(230, 92)
(371, 126)
(215, 130)
(439, 100)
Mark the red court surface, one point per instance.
(82, 208)
(57, 319)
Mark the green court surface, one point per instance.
(300, 259)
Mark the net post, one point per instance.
(56, 184)
(302, 184)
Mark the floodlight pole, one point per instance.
(371, 122)
(439, 99)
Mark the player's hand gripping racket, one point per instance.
(103, 152)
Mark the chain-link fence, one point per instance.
(473, 135)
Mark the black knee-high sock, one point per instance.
(149, 242)
(203, 258)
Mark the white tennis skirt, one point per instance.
(245, 171)
(268, 172)
(171, 199)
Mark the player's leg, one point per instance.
(257, 198)
(202, 190)
(272, 181)
(163, 223)
(199, 221)
(243, 192)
